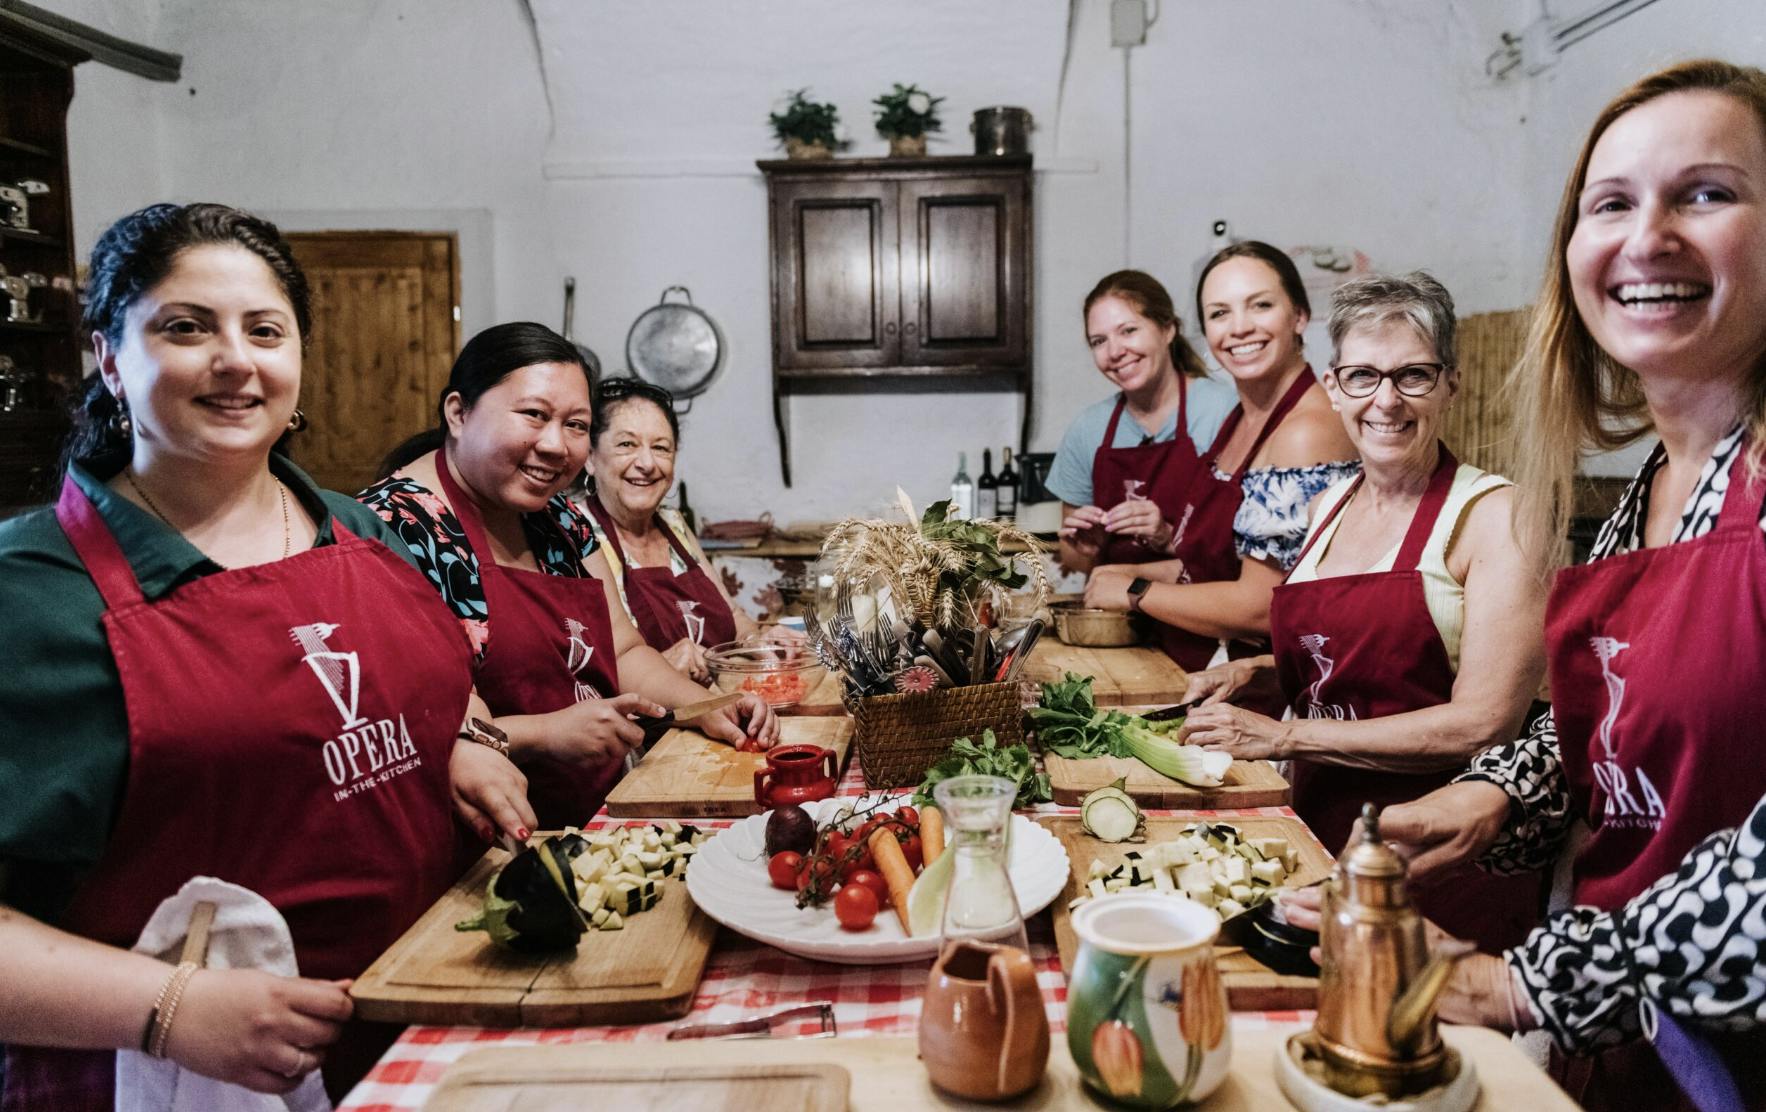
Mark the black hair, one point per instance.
(616, 391)
(1276, 259)
(134, 255)
(487, 359)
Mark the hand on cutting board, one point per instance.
(1247, 735)
(489, 792)
(595, 730)
(257, 1030)
(749, 724)
(688, 659)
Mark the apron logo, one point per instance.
(577, 659)
(1183, 523)
(366, 754)
(1622, 806)
(1314, 644)
(339, 673)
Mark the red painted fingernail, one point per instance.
(521, 832)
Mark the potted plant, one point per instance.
(805, 128)
(905, 117)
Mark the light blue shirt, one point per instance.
(1210, 400)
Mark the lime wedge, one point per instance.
(926, 897)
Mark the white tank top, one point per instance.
(1444, 595)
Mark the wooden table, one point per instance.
(1139, 674)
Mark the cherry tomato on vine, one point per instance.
(782, 870)
(855, 907)
(912, 850)
(872, 880)
(909, 816)
(819, 871)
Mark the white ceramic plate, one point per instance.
(728, 880)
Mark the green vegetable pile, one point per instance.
(1068, 723)
(989, 758)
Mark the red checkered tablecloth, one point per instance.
(743, 978)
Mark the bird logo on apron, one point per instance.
(1622, 807)
(331, 668)
(1314, 644)
(578, 660)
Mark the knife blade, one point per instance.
(654, 726)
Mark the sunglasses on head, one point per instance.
(618, 389)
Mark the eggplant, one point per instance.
(530, 904)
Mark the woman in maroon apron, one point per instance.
(1384, 710)
(1651, 311)
(294, 690)
(479, 500)
(1253, 309)
(669, 590)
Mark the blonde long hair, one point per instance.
(1570, 394)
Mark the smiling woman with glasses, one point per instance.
(1407, 638)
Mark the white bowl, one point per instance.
(728, 880)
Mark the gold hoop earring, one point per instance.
(298, 422)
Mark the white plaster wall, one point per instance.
(619, 147)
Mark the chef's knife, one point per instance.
(654, 726)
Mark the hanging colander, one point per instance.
(676, 346)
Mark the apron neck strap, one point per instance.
(610, 530)
(1115, 419)
(1325, 522)
(1296, 391)
(97, 547)
(466, 510)
(1428, 511)
(1742, 503)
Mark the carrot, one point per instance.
(893, 864)
(931, 834)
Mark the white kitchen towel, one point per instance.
(248, 933)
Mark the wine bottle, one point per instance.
(687, 514)
(987, 488)
(962, 490)
(1008, 488)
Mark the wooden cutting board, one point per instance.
(887, 1076)
(435, 974)
(688, 775)
(1130, 676)
(1250, 985)
(559, 1079)
(1247, 784)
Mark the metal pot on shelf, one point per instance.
(1002, 130)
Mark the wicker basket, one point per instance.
(900, 736)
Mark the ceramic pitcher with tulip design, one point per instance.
(1146, 1012)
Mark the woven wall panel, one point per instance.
(1479, 426)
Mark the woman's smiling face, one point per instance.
(1253, 327)
(1133, 351)
(525, 438)
(634, 458)
(1668, 260)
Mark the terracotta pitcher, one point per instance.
(795, 774)
(983, 1034)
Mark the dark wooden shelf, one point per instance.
(24, 236)
(941, 164)
(49, 328)
(18, 146)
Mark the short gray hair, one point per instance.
(1415, 298)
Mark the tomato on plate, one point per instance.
(872, 880)
(856, 907)
(819, 872)
(782, 870)
(909, 816)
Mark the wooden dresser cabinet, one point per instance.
(899, 268)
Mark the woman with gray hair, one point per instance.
(1408, 637)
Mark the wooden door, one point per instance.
(385, 332)
(835, 275)
(964, 268)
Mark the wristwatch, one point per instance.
(485, 733)
(1137, 587)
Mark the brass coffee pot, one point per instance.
(1378, 986)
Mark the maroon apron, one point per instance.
(551, 645)
(1165, 470)
(1209, 504)
(1658, 664)
(656, 594)
(1364, 646)
(290, 726)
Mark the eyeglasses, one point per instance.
(616, 389)
(1413, 380)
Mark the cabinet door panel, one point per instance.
(964, 267)
(835, 275)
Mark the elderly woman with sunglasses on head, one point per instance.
(669, 589)
(1407, 638)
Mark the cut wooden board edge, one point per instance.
(379, 996)
(812, 1087)
(1248, 784)
(1250, 985)
(636, 797)
(1136, 675)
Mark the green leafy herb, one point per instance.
(1069, 723)
(988, 758)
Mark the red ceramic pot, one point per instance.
(795, 774)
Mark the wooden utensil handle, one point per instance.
(202, 918)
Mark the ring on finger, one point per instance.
(300, 1064)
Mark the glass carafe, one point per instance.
(979, 905)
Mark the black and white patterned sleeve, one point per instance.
(1531, 772)
(1694, 944)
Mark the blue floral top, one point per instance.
(1271, 522)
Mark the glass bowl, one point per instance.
(781, 674)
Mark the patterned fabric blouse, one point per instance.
(1271, 523)
(560, 538)
(1577, 969)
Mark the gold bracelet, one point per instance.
(167, 1007)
